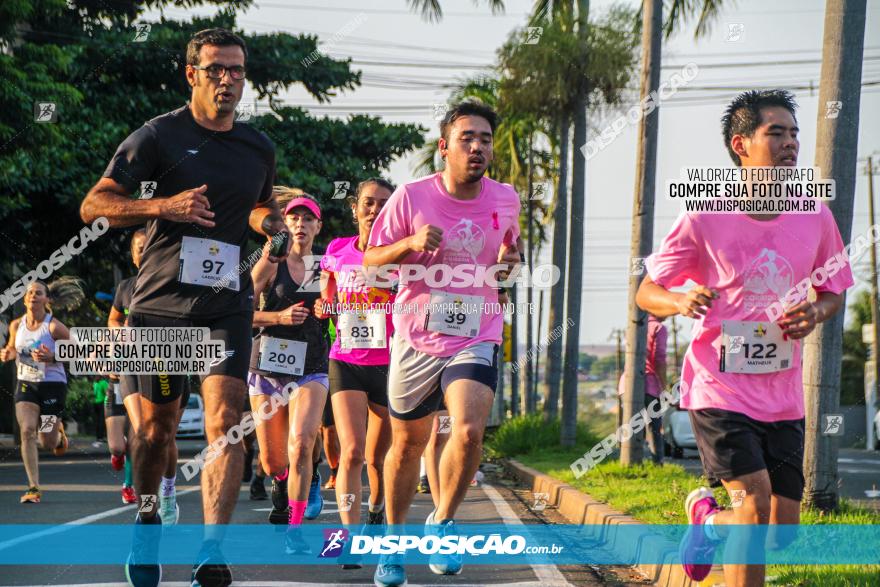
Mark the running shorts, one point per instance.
(233, 329)
(417, 381)
(732, 445)
(128, 384)
(370, 379)
(264, 385)
(49, 395)
(113, 405)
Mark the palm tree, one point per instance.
(433, 12)
(642, 239)
(836, 148)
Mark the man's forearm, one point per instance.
(120, 211)
(388, 254)
(267, 219)
(827, 304)
(657, 300)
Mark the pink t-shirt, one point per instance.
(345, 262)
(473, 232)
(751, 264)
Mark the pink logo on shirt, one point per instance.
(766, 279)
(464, 237)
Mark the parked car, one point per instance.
(877, 431)
(677, 433)
(192, 424)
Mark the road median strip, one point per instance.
(580, 508)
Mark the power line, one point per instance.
(354, 9)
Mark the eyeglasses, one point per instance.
(217, 71)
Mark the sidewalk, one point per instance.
(580, 508)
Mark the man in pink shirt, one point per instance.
(449, 232)
(743, 370)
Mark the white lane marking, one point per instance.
(79, 522)
(859, 461)
(546, 574)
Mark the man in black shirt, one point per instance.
(212, 180)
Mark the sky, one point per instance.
(409, 64)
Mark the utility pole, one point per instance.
(529, 392)
(874, 312)
(618, 333)
(675, 364)
(538, 348)
(837, 142)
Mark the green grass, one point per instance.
(655, 495)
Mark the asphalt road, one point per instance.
(82, 487)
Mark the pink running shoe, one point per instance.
(696, 549)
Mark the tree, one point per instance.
(433, 12)
(836, 144)
(855, 352)
(642, 237)
(552, 79)
(63, 56)
(104, 86)
(575, 244)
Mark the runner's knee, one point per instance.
(273, 465)
(222, 421)
(352, 456)
(468, 433)
(157, 434)
(300, 447)
(28, 431)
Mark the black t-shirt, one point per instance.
(283, 293)
(122, 296)
(178, 154)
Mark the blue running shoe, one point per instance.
(443, 564)
(294, 543)
(211, 568)
(389, 571)
(141, 568)
(315, 503)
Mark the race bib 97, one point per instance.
(753, 348)
(279, 355)
(208, 262)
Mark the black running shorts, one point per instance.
(233, 329)
(49, 395)
(732, 445)
(370, 379)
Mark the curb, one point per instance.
(580, 508)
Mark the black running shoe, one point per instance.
(280, 510)
(211, 568)
(258, 489)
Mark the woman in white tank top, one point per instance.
(41, 387)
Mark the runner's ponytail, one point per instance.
(65, 292)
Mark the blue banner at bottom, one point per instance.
(481, 544)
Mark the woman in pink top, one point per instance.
(359, 360)
(655, 381)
